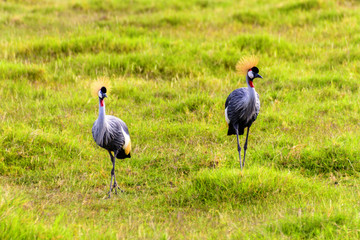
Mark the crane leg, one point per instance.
(245, 145)
(112, 173)
(116, 186)
(113, 185)
(239, 148)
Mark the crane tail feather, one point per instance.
(121, 154)
(128, 148)
(232, 131)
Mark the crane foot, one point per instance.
(116, 187)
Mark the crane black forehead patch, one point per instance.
(255, 70)
(103, 89)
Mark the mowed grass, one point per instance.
(171, 65)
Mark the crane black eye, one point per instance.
(103, 89)
(255, 70)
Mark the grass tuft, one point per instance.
(306, 227)
(231, 186)
(17, 71)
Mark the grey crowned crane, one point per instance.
(242, 106)
(111, 133)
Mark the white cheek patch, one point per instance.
(100, 95)
(250, 74)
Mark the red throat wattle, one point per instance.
(251, 84)
(102, 102)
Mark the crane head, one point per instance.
(253, 73)
(102, 93)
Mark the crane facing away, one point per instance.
(111, 133)
(242, 106)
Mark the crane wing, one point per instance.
(122, 142)
(235, 104)
(257, 106)
(115, 138)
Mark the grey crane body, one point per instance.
(112, 134)
(242, 107)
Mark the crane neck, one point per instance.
(251, 88)
(101, 117)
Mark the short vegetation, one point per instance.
(171, 65)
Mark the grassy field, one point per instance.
(171, 65)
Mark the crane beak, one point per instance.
(104, 95)
(257, 75)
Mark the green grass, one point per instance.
(171, 65)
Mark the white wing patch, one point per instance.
(226, 117)
(127, 138)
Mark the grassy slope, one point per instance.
(171, 67)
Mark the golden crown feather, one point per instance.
(98, 84)
(245, 63)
